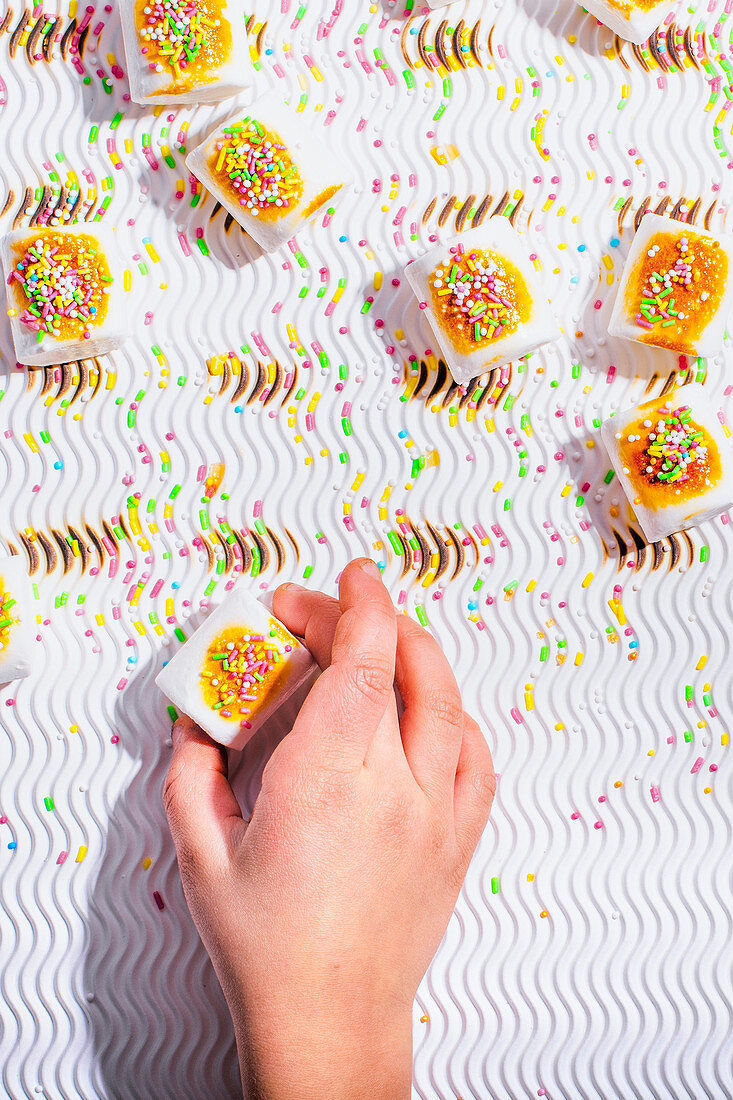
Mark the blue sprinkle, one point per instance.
(614, 242)
(575, 279)
(13, 845)
(473, 606)
(58, 465)
(343, 239)
(581, 248)
(633, 645)
(402, 434)
(239, 408)
(175, 584)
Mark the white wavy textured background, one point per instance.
(589, 955)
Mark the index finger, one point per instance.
(348, 701)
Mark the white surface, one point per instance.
(622, 323)
(623, 990)
(180, 679)
(495, 235)
(318, 165)
(105, 337)
(148, 86)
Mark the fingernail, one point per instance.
(292, 587)
(176, 732)
(371, 569)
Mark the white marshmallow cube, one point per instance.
(196, 683)
(667, 493)
(629, 20)
(106, 330)
(221, 68)
(319, 174)
(17, 632)
(671, 262)
(453, 304)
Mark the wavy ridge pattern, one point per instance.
(587, 955)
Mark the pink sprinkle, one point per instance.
(598, 825)
(516, 716)
(655, 793)
(696, 766)
(158, 900)
(61, 857)
(574, 815)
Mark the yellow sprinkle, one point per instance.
(617, 610)
(530, 878)
(147, 862)
(532, 585)
(31, 442)
(579, 658)
(498, 486)
(358, 480)
(565, 490)
(707, 688)
(651, 752)
(587, 579)
(559, 726)
(81, 853)
(138, 625)
(377, 280)
(424, 1019)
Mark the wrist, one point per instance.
(310, 1050)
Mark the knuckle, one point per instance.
(170, 792)
(397, 816)
(483, 781)
(445, 706)
(371, 678)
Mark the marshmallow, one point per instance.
(629, 20)
(676, 288)
(284, 172)
(498, 314)
(92, 318)
(17, 635)
(231, 696)
(673, 460)
(156, 42)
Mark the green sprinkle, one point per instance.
(48, 803)
(172, 713)
(495, 886)
(421, 616)
(179, 634)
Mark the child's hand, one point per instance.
(323, 912)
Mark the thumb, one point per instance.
(203, 814)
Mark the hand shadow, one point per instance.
(159, 1023)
